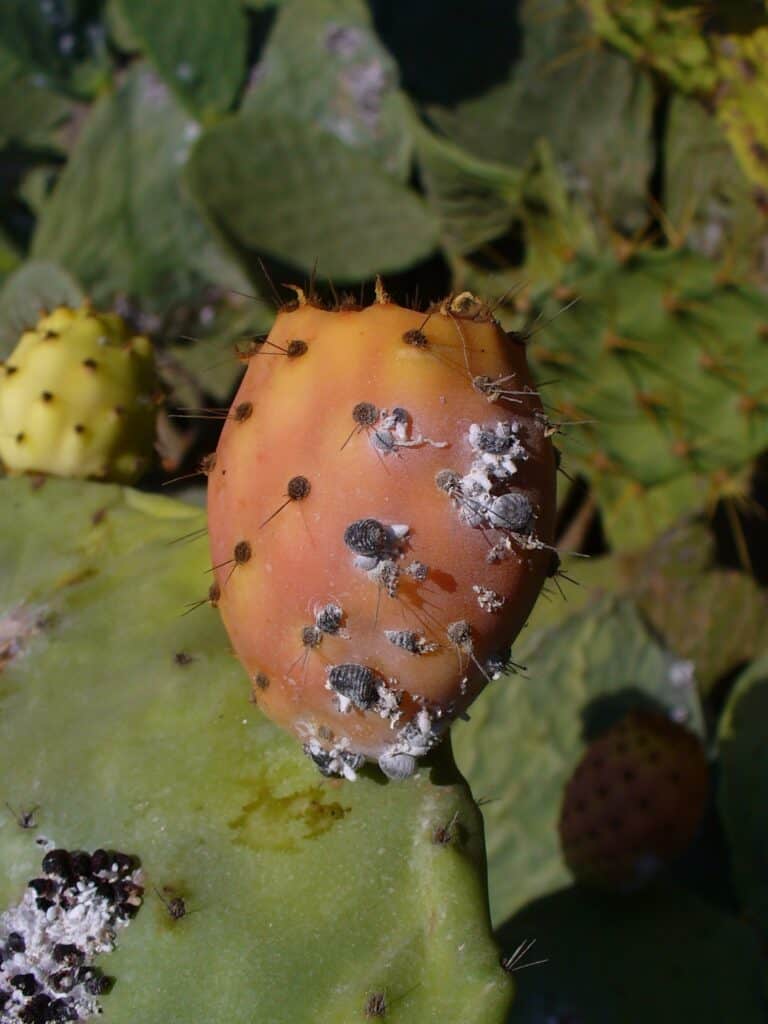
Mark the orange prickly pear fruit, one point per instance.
(381, 515)
(634, 802)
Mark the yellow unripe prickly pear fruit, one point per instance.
(78, 398)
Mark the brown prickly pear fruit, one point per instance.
(634, 802)
(381, 516)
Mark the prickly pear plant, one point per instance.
(668, 38)
(634, 801)
(381, 512)
(663, 367)
(269, 893)
(78, 398)
(716, 52)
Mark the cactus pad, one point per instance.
(395, 465)
(270, 893)
(743, 741)
(664, 367)
(78, 397)
(717, 55)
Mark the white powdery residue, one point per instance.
(488, 600)
(418, 736)
(681, 673)
(365, 562)
(394, 432)
(338, 760)
(367, 84)
(388, 702)
(17, 625)
(155, 92)
(497, 450)
(191, 131)
(344, 41)
(343, 704)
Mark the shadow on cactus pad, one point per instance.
(661, 956)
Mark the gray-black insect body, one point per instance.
(355, 682)
(367, 537)
(409, 641)
(417, 571)
(311, 636)
(322, 759)
(460, 634)
(376, 1005)
(397, 766)
(512, 511)
(326, 761)
(329, 618)
(372, 541)
(449, 481)
(387, 575)
(493, 443)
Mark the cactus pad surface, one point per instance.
(125, 722)
(663, 367)
(743, 743)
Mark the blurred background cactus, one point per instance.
(597, 170)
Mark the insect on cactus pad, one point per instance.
(393, 487)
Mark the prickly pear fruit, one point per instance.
(380, 511)
(78, 398)
(634, 802)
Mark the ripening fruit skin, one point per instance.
(634, 802)
(78, 398)
(324, 597)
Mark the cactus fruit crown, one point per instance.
(381, 521)
(634, 802)
(78, 398)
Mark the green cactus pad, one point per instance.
(744, 787)
(527, 732)
(654, 32)
(343, 213)
(128, 723)
(119, 219)
(78, 398)
(36, 285)
(717, 55)
(711, 616)
(201, 56)
(664, 957)
(538, 78)
(663, 366)
(709, 203)
(323, 64)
